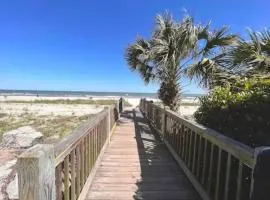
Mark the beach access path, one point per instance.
(137, 165)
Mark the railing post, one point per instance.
(109, 124)
(261, 174)
(163, 122)
(117, 109)
(120, 105)
(36, 173)
(142, 105)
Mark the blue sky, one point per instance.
(79, 45)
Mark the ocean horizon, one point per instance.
(55, 93)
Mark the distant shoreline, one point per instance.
(48, 93)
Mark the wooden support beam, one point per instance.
(36, 173)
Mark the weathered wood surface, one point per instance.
(218, 167)
(36, 173)
(137, 165)
(68, 143)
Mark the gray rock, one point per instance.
(23, 137)
(5, 171)
(13, 189)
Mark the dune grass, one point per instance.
(48, 125)
(51, 126)
(72, 102)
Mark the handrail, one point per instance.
(64, 171)
(219, 167)
(237, 149)
(77, 155)
(65, 146)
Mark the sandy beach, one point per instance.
(56, 117)
(60, 109)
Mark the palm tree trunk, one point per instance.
(169, 93)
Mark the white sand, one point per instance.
(48, 109)
(187, 111)
(74, 109)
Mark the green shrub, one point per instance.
(241, 111)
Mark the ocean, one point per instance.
(82, 93)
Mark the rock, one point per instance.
(13, 189)
(5, 171)
(23, 137)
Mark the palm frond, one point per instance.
(265, 38)
(251, 55)
(138, 58)
(202, 71)
(219, 38)
(203, 31)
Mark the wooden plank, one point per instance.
(179, 151)
(91, 150)
(95, 144)
(218, 174)
(149, 195)
(209, 180)
(190, 150)
(194, 154)
(59, 182)
(85, 158)
(204, 161)
(183, 142)
(239, 181)
(199, 158)
(66, 178)
(87, 164)
(227, 180)
(134, 188)
(188, 132)
(78, 172)
(82, 162)
(73, 175)
(89, 153)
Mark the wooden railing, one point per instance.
(64, 171)
(219, 167)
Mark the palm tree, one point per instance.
(238, 59)
(160, 58)
(252, 56)
(174, 50)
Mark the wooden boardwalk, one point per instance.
(136, 165)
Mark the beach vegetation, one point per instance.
(240, 111)
(48, 125)
(239, 100)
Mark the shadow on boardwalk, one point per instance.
(136, 165)
(161, 178)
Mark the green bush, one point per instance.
(241, 111)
